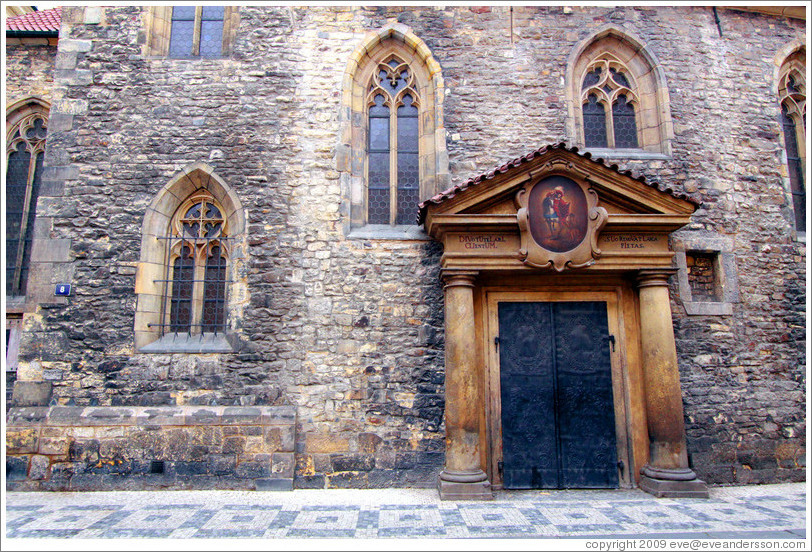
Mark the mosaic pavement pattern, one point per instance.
(769, 511)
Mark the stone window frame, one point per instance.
(724, 268)
(393, 40)
(612, 45)
(154, 271)
(158, 24)
(793, 64)
(19, 115)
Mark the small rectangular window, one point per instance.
(703, 276)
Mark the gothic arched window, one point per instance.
(792, 96)
(193, 250)
(25, 151)
(392, 151)
(617, 96)
(393, 172)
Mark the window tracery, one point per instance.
(393, 149)
(608, 104)
(24, 152)
(195, 290)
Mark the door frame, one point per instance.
(616, 299)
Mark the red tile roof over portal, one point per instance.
(454, 190)
(43, 21)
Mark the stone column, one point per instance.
(667, 473)
(462, 476)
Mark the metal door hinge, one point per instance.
(501, 467)
(621, 466)
(611, 340)
(496, 342)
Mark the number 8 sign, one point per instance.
(62, 290)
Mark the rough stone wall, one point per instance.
(350, 330)
(72, 448)
(29, 69)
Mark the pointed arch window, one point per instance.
(24, 152)
(608, 104)
(194, 300)
(792, 97)
(393, 172)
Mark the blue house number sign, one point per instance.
(62, 290)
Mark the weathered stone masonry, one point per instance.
(349, 332)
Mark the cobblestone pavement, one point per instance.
(768, 511)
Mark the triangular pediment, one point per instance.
(622, 195)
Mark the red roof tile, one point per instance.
(454, 190)
(43, 21)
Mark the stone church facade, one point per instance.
(306, 247)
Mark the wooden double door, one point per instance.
(557, 410)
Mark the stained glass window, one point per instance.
(408, 170)
(196, 285)
(792, 97)
(196, 31)
(625, 127)
(607, 84)
(393, 181)
(795, 169)
(594, 123)
(25, 153)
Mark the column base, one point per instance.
(674, 488)
(464, 486)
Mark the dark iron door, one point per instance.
(558, 421)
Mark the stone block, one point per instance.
(186, 468)
(54, 441)
(354, 462)
(22, 440)
(70, 107)
(325, 442)
(202, 416)
(310, 482)
(30, 415)
(108, 416)
(253, 469)
(160, 416)
(234, 444)
(222, 464)
(31, 393)
(38, 467)
(74, 45)
(283, 464)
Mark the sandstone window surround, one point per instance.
(192, 250)
(26, 130)
(617, 99)
(392, 151)
(189, 31)
(792, 99)
(723, 291)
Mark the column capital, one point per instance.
(654, 276)
(453, 278)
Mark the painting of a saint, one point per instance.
(558, 214)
